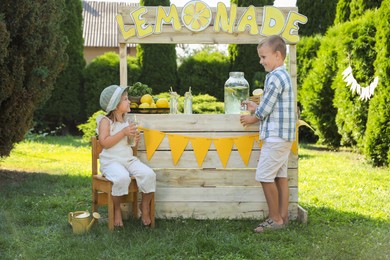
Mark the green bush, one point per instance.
(307, 49)
(356, 49)
(343, 11)
(358, 7)
(377, 136)
(205, 73)
(102, 72)
(201, 104)
(316, 95)
(89, 128)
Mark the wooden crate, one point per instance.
(211, 192)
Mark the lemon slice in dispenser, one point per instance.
(257, 92)
(230, 90)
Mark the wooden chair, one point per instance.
(101, 190)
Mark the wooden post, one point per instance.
(293, 70)
(123, 64)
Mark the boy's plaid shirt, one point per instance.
(276, 110)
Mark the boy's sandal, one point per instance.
(268, 224)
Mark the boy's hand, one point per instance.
(247, 120)
(251, 106)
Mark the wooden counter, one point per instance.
(210, 191)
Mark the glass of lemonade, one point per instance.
(236, 91)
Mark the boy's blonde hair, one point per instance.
(276, 43)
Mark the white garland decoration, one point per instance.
(364, 92)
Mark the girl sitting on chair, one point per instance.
(117, 162)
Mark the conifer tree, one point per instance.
(377, 136)
(31, 57)
(158, 61)
(320, 14)
(65, 105)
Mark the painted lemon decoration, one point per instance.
(147, 98)
(196, 16)
(162, 103)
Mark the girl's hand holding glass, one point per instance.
(133, 136)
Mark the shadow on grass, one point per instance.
(34, 209)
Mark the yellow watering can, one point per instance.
(79, 220)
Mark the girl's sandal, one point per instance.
(268, 224)
(119, 227)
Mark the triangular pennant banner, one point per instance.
(177, 143)
(153, 139)
(244, 146)
(301, 123)
(201, 146)
(294, 147)
(224, 147)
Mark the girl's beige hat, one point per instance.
(111, 96)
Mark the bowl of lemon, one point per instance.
(150, 105)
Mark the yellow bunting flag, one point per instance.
(153, 139)
(201, 146)
(224, 147)
(177, 143)
(301, 123)
(244, 146)
(294, 147)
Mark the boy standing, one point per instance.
(276, 113)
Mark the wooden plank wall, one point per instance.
(212, 191)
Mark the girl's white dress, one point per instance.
(118, 164)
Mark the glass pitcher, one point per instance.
(236, 91)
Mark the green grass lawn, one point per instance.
(43, 180)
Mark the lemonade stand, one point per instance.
(205, 164)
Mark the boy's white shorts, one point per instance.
(273, 161)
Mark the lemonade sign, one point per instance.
(197, 16)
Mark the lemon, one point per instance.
(257, 92)
(196, 16)
(162, 103)
(133, 105)
(147, 98)
(230, 90)
(153, 105)
(144, 105)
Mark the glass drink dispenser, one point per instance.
(236, 91)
